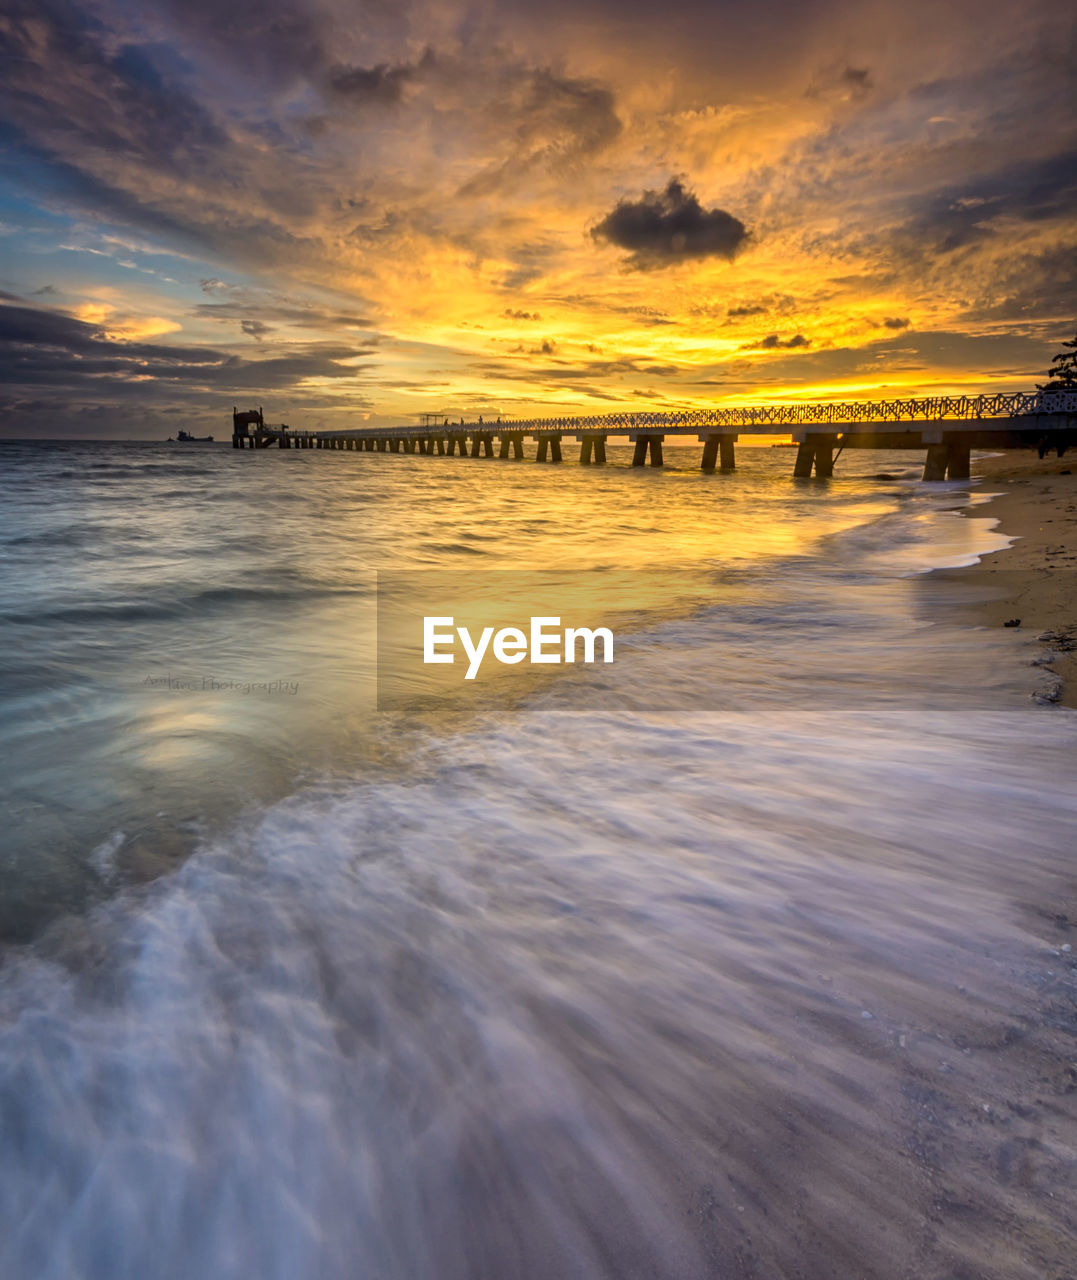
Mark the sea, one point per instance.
(743, 954)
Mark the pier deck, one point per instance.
(946, 427)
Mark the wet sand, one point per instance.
(1036, 581)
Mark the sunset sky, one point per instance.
(353, 211)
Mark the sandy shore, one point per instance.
(1037, 576)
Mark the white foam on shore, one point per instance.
(581, 996)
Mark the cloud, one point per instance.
(896, 322)
(509, 314)
(772, 342)
(47, 349)
(550, 123)
(843, 81)
(666, 227)
(382, 84)
(1038, 190)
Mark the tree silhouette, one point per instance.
(1062, 375)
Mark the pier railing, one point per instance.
(827, 412)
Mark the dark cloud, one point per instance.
(256, 329)
(364, 85)
(1038, 190)
(896, 322)
(841, 80)
(262, 306)
(752, 309)
(45, 348)
(772, 342)
(551, 123)
(270, 44)
(666, 227)
(509, 314)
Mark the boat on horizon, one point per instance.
(185, 438)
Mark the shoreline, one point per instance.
(1038, 507)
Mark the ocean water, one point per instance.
(739, 956)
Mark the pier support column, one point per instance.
(440, 442)
(488, 446)
(555, 449)
(503, 447)
(817, 451)
(718, 451)
(957, 460)
(600, 451)
(824, 457)
(517, 446)
(948, 460)
(542, 450)
(587, 447)
(645, 444)
(935, 462)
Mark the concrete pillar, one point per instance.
(503, 447)
(517, 446)
(543, 449)
(587, 447)
(957, 460)
(600, 450)
(645, 444)
(440, 442)
(935, 462)
(727, 455)
(805, 457)
(710, 454)
(555, 449)
(824, 458)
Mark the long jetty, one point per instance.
(946, 427)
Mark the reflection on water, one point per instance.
(138, 580)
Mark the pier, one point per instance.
(947, 428)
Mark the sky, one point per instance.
(353, 213)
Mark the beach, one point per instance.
(1037, 506)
